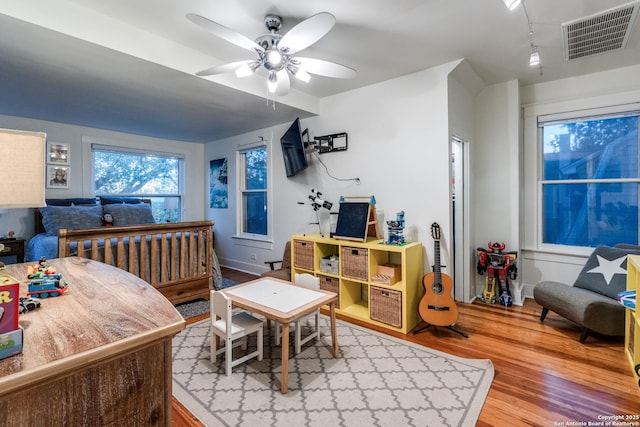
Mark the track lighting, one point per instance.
(534, 59)
(511, 4)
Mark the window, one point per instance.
(253, 195)
(135, 173)
(590, 177)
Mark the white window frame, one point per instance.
(88, 142)
(533, 149)
(240, 189)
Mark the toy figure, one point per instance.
(107, 220)
(493, 260)
(395, 230)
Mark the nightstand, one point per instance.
(13, 247)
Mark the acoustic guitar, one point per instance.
(437, 306)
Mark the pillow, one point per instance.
(120, 200)
(55, 218)
(605, 272)
(130, 214)
(72, 202)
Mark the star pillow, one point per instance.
(605, 271)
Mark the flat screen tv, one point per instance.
(295, 159)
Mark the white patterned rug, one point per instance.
(378, 380)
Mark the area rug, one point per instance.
(200, 306)
(378, 380)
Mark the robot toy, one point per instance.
(395, 229)
(500, 267)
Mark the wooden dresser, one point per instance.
(100, 354)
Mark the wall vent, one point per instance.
(599, 33)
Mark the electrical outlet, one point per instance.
(254, 257)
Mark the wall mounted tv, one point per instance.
(295, 159)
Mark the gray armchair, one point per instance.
(591, 301)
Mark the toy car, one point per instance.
(28, 304)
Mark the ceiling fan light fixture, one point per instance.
(512, 4)
(272, 82)
(274, 58)
(243, 71)
(298, 72)
(246, 69)
(277, 53)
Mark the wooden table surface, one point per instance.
(107, 317)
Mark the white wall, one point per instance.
(22, 220)
(495, 169)
(398, 148)
(463, 87)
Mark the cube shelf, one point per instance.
(362, 294)
(632, 321)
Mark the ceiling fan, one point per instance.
(276, 53)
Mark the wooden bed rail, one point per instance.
(175, 258)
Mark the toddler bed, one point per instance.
(176, 258)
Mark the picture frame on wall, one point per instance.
(57, 176)
(218, 188)
(57, 153)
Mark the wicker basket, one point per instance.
(386, 306)
(303, 254)
(355, 263)
(330, 284)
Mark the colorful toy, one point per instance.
(395, 230)
(493, 260)
(9, 297)
(10, 331)
(107, 220)
(28, 304)
(44, 281)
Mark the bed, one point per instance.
(176, 258)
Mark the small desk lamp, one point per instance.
(170, 204)
(23, 156)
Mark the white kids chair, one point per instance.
(232, 327)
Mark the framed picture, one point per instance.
(57, 176)
(57, 153)
(218, 191)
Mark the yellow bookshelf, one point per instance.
(632, 322)
(366, 289)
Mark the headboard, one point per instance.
(39, 227)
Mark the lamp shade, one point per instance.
(170, 203)
(23, 158)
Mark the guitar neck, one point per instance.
(437, 272)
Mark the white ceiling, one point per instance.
(129, 65)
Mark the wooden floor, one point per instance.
(543, 375)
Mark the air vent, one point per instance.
(603, 32)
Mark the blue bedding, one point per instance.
(41, 245)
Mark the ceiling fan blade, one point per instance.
(225, 68)
(284, 83)
(307, 33)
(225, 33)
(326, 68)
